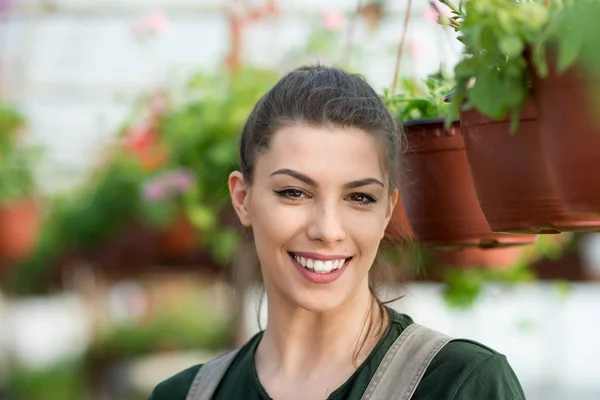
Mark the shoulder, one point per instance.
(177, 386)
(473, 370)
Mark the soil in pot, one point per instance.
(571, 126)
(439, 195)
(512, 178)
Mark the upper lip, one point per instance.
(317, 256)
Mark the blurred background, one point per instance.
(121, 262)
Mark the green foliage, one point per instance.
(499, 36)
(202, 134)
(108, 201)
(493, 73)
(65, 381)
(16, 160)
(420, 99)
(191, 325)
(463, 286)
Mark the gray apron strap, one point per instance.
(404, 364)
(209, 376)
(397, 376)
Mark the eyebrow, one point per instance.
(313, 183)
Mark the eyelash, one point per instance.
(285, 193)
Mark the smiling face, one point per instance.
(318, 205)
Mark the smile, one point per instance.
(318, 265)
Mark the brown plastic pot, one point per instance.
(179, 239)
(439, 196)
(19, 230)
(512, 179)
(571, 125)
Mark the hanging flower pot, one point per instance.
(511, 176)
(440, 198)
(571, 125)
(19, 229)
(178, 239)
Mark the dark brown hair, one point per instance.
(324, 96)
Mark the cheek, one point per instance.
(273, 223)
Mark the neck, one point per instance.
(297, 341)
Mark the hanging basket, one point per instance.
(439, 196)
(570, 121)
(511, 176)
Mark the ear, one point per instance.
(239, 192)
(391, 207)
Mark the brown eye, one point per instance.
(291, 194)
(361, 198)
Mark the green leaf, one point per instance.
(512, 46)
(568, 51)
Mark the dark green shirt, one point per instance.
(462, 370)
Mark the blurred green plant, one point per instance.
(201, 134)
(500, 39)
(16, 159)
(64, 380)
(463, 286)
(420, 99)
(190, 326)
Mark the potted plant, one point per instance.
(19, 208)
(439, 195)
(567, 90)
(493, 93)
(201, 132)
(505, 74)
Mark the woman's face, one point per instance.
(318, 206)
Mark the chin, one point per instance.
(319, 301)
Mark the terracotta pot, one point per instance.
(179, 239)
(19, 230)
(480, 258)
(512, 179)
(439, 197)
(571, 127)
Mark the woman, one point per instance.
(319, 163)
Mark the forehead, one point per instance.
(324, 152)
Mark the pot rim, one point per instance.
(428, 121)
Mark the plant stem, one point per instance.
(351, 28)
(401, 48)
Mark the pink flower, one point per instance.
(333, 20)
(154, 191)
(168, 184)
(153, 23)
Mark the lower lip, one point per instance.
(316, 277)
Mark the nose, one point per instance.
(326, 224)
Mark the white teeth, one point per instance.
(319, 266)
